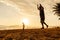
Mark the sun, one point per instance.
(25, 21)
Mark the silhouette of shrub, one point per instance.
(58, 27)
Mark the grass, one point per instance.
(31, 34)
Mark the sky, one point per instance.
(13, 11)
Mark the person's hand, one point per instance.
(37, 5)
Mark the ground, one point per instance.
(31, 34)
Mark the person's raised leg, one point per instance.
(46, 24)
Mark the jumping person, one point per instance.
(42, 15)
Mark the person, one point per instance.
(42, 15)
(23, 26)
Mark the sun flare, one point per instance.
(25, 21)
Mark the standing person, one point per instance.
(23, 26)
(42, 15)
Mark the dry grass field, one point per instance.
(31, 34)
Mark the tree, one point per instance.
(57, 9)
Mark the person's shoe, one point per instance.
(42, 28)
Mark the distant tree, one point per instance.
(57, 9)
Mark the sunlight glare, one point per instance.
(25, 21)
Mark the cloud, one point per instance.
(26, 6)
(10, 3)
(6, 10)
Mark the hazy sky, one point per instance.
(13, 11)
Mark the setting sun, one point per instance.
(25, 21)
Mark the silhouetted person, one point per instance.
(23, 26)
(42, 15)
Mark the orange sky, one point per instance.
(12, 12)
